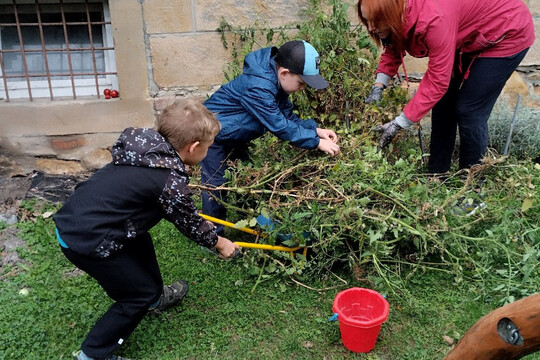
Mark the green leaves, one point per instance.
(371, 207)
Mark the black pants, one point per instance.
(132, 279)
(468, 109)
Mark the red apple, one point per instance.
(114, 94)
(107, 92)
(107, 97)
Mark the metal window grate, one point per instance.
(54, 42)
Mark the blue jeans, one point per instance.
(468, 108)
(213, 175)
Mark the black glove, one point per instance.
(375, 95)
(389, 132)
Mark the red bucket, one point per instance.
(361, 313)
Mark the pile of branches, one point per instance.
(380, 216)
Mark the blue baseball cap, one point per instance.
(301, 58)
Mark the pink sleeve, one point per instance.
(440, 41)
(389, 63)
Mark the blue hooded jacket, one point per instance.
(254, 102)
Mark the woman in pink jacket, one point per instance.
(473, 47)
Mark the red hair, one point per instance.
(387, 14)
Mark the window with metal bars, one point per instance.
(55, 49)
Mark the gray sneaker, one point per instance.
(172, 295)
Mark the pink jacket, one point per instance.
(440, 28)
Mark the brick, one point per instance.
(66, 144)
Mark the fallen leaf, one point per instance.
(448, 340)
(527, 203)
(47, 214)
(307, 344)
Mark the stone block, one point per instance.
(59, 167)
(188, 60)
(533, 56)
(161, 103)
(516, 85)
(72, 148)
(96, 159)
(130, 49)
(246, 12)
(168, 16)
(416, 67)
(534, 6)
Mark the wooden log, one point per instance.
(509, 332)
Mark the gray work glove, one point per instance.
(375, 95)
(390, 129)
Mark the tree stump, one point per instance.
(509, 332)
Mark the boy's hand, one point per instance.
(328, 146)
(226, 247)
(327, 134)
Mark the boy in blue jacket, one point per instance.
(103, 228)
(258, 101)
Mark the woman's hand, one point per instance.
(389, 132)
(375, 95)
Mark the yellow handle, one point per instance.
(229, 224)
(253, 232)
(266, 246)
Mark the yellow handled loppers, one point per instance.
(253, 232)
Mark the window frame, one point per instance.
(66, 88)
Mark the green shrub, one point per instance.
(375, 214)
(348, 61)
(525, 139)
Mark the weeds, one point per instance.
(525, 139)
(375, 213)
(348, 60)
(365, 211)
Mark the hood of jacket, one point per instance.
(258, 64)
(145, 147)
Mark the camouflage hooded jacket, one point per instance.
(145, 182)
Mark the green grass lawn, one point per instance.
(224, 314)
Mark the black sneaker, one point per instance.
(172, 295)
(77, 356)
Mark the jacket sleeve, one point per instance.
(262, 105)
(182, 212)
(440, 40)
(287, 109)
(390, 62)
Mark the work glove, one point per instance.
(375, 95)
(390, 129)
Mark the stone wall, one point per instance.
(165, 49)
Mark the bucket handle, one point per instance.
(333, 317)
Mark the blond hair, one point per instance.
(186, 121)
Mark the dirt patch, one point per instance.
(9, 243)
(15, 189)
(51, 188)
